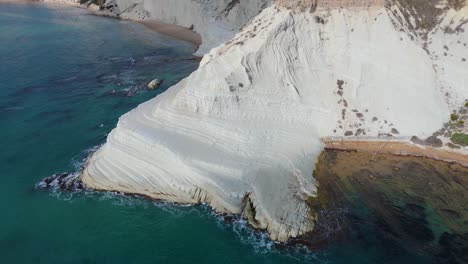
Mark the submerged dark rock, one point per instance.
(454, 248)
(397, 203)
(63, 181)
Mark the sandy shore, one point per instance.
(15, 1)
(174, 31)
(400, 149)
(170, 30)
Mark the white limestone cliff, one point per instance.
(243, 131)
(216, 21)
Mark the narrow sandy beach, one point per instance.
(399, 149)
(174, 31)
(15, 1)
(170, 30)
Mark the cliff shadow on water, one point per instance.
(406, 207)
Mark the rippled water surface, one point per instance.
(65, 78)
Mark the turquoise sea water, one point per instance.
(65, 78)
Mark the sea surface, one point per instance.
(65, 78)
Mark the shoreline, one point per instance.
(399, 148)
(370, 148)
(169, 30)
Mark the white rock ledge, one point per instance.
(244, 128)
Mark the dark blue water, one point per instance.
(65, 78)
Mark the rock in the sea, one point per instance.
(66, 182)
(94, 7)
(154, 84)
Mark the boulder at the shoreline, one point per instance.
(154, 84)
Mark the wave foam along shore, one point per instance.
(243, 131)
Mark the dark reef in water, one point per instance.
(409, 206)
(66, 182)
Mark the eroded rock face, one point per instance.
(248, 122)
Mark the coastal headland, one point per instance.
(278, 82)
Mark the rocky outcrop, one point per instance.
(243, 131)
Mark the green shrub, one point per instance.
(454, 117)
(460, 139)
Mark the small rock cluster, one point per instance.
(356, 122)
(66, 182)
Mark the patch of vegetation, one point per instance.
(453, 117)
(460, 139)
(466, 104)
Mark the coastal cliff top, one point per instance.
(312, 5)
